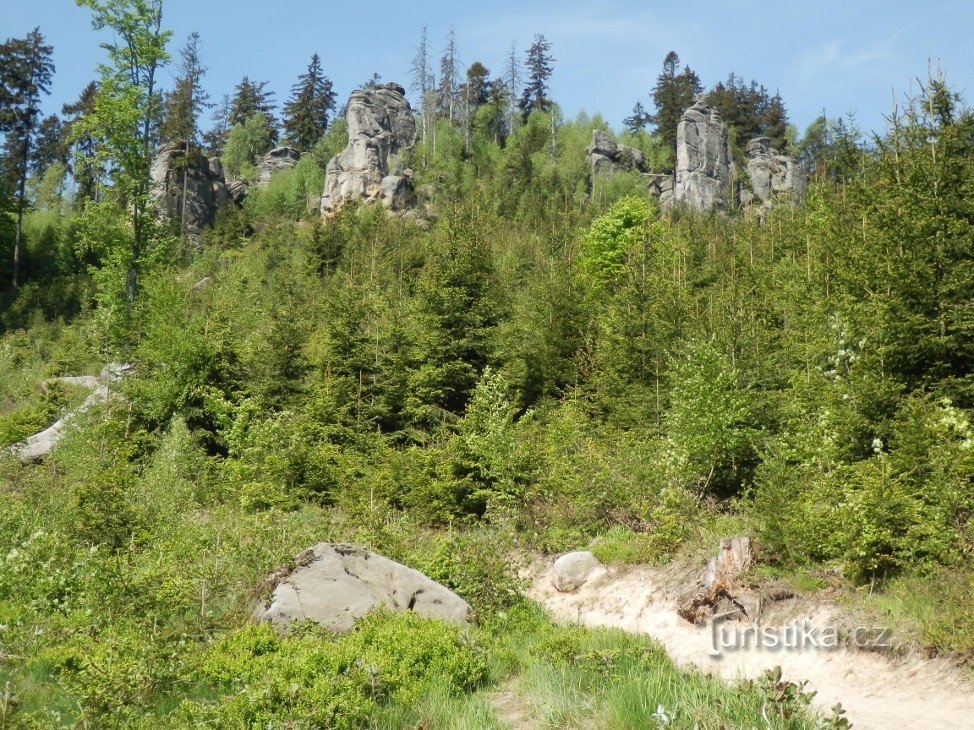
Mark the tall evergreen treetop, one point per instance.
(540, 66)
(307, 113)
(672, 95)
(26, 71)
(249, 98)
(187, 101)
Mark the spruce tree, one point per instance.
(252, 97)
(637, 121)
(673, 95)
(186, 102)
(82, 147)
(26, 71)
(540, 66)
(307, 112)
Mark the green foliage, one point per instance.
(245, 143)
(333, 682)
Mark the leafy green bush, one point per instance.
(326, 681)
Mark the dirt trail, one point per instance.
(876, 691)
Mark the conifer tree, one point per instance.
(637, 121)
(249, 98)
(26, 71)
(672, 95)
(215, 139)
(512, 86)
(81, 147)
(307, 112)
(423, 80)
(449, 76)
(186, 102)
(540, 66)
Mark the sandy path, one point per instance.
(876, 692)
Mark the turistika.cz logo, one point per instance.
(797, 635)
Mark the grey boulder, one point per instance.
(279, 158)
(335, 584)
(572, 570)
(606, 156)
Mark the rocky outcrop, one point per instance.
(41, 444)
(279, 158)
(606, 156)
(704, 166)
(335, 584)
(572, 570)
(198, 181)
(381, 130)
(771, 176)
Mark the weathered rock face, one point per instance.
(606, 156)
(205, 189)
(772, 176)
(381, 129)
(572, 570)
(336, 584)
(704, 167)
(279, 158)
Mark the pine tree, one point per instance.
(637, 121)
(249, 98)
(306, 113)
(84, 168)
(539, 64)
(673, 95)
(26, 71)
(186, 102)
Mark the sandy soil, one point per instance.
(876, 690)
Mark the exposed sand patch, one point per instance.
(877, 691)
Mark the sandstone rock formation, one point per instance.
(279, 158)
(572, 570)
(41, 444)
(199, 181)
(772, 176)
(381, 129)
(606, 156)
(335, 584)
(704, 167)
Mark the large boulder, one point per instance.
(771, 176)
(335, 584)
(197, 180)
(606, 156)
(381, 130)
(572, 570)
(704, 166)
(279, 158)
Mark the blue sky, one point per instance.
(838, 55)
